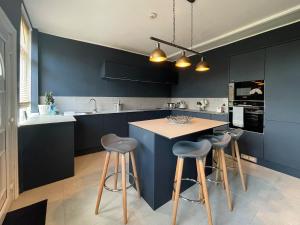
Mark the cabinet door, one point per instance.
(88, 132)
(281, 143)
(115, 123)
(282, 83)
(252, 144)
(220, 117)
(248, 66)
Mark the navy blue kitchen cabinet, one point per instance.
(282, 83)
(252, 144)
(115, 123)
(247, 66)
(88, 132)
(90, 128)
(148, 74)
(147, 115)
(221, 117)
(46, 154)
(281, 145)
(199, 114)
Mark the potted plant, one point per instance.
(49, 100)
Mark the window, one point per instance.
(25, 62)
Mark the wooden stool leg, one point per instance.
(176, 172)
(137, 183)
(218, 165)
(233, 157)
(124, 189)
(177, 189)
(227, 187)
(102, 180)
(237, 152)
(221, 173)
(199, 180)
(204, 187)
(116, 170)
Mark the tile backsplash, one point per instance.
(213, 103)
(83, 104)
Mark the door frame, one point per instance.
(9, 34)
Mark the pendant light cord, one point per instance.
(192, 25)
(174, 22)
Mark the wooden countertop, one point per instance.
(170, 131)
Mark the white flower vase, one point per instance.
(44, 109)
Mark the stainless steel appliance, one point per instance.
(250, 96)
(171, 105)
(253, 116)
(247, 91)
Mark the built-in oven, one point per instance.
(248, 100)
(253, 116)
(246, 91)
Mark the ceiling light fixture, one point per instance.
(158, 55)
(202, 66)
(183, 61)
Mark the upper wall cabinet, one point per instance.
(248, 66)
(282, 82)
(150, 74)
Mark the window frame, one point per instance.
(25, 106)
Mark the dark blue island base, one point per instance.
(156, 164)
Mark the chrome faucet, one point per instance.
(95, 104)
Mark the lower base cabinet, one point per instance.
(281, 145)
(46, 154)
(252, 144)
(90, 128)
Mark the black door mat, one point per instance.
(34, 214)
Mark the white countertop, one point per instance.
(46, 119)
(170, 130)
(142, 110)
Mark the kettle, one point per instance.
(182, 105)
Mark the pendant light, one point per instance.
(158, 55)
(183, 61)
(202, 66)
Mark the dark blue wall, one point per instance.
(215, 82)
(73, 68)
(12, 8)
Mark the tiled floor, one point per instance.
(272, 199)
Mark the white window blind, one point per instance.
(25, 73)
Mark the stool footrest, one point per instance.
(212, 180)
(188, 199)
(119, 189)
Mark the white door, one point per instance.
(3, 158)
(8, 106)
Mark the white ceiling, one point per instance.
(125, 24)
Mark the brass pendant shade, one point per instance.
(158, 55)
(202, 66)
(183, 61)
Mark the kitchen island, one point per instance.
(155, 161)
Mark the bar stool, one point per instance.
(113, 143)
(235, 151)
(198, 151)
(219, 143)
(235, 135)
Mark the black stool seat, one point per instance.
(218, 141)
(189, 149)
(236, 133)
(114, 143)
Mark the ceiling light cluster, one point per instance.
(158, 55)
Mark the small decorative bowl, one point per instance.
(179, 119)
